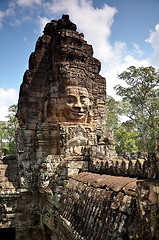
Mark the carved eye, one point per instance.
(83, 99)
(71, 99)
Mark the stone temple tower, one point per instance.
(67, 182)
(62, 102)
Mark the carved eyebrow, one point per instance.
(71, 98)
(83, 93)
(70, 95)
(82, 97)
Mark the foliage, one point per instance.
(140, 103)
(126, 138)
(3, 134)
(113, 113)
(7, 132)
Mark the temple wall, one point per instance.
(67, 182)
(18, 207)
(101, 207)
(85, 206)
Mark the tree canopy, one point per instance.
(140, 103)
(7, 132)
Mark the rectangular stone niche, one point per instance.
(7, 233)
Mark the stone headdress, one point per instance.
(62, 58)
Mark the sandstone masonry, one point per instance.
(67, 182)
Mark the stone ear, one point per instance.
(61, 100)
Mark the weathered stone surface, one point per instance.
(61, 107)
(99, 207)
(61, 187)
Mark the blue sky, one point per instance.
(122, 32)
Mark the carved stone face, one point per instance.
(76, 103)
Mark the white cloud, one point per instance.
(154, 36)
(154, 41)
(7, 97)
(1, 18)
(137, 49)
(15, 23)
(7, 13)
(111, 75)
(28, 3)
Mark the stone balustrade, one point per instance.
(144, 168)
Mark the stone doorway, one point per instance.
(7, 233)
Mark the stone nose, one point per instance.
(78, 104)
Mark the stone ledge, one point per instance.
(115, 183)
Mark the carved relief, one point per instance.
(63, 101)
(74, 105)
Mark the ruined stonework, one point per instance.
(62, 103)
(67, 181)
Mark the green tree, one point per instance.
(7, 132)
(124, 136)
(3, 135)
(11, 125)
(140, 101)
(114, 112)
(125, 140)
